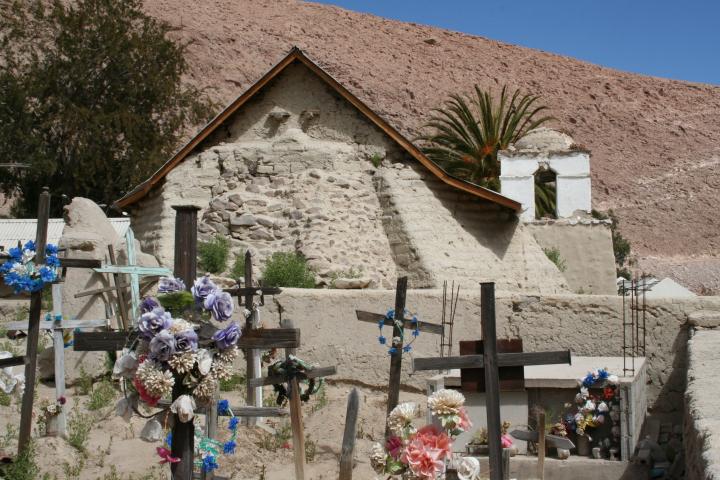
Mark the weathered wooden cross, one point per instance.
(399, 324)
(491, 361)
(294, 401)
(134, 272)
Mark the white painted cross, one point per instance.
(135, 272)
(57, 325)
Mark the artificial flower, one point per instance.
(446, 402)
(432, 437)
(394, 446)
(202, 288)
(227, 337)
(220, 304)
(378, 458)
(184, 408)
(204, 360)
(400, 418)
(149, 304)
(153, 322)
(170, 285)
(468, 469)
(425, 463)
(165, 455)
(186, 341)
(162, 346)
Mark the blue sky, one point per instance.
(673, 39)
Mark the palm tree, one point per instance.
(468, 131)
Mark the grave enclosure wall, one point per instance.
(588, 325)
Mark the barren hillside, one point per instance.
(655, 142)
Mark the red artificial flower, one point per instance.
(608, 393)
(394, 447)
(144, 395)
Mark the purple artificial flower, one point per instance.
(149, 304)
(187, 340)
(153, 322)
(170, 285)
(220, 304)
(227, 337)
(202, 288)
(162, 346)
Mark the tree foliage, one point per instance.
(466, 134)
(90, 97)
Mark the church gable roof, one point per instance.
(296, 55)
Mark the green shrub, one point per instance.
(84, 383)
(376, 159)
(24, 467)
(4, 399)
(177, 303)
(554, 255)
(232, 383)
(79, 426)
(213, 255)
(288, 269)
(101, 396)
(238, 269)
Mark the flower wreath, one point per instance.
(167, 354)
(397, 341)
(293, 367)
(592, 410)
(21, 273)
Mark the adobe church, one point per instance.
(299, 163)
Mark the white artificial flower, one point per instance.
(27, 256)
(19, 268)
(204, 360)
(602, 407)
(378, 458)
(184, 407)
(446, 402)
(402, 416)
(125, 366)
(589, 406)
(469, 469)
(613, 380)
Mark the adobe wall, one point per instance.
(588, 325)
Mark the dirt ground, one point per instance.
(114, 451)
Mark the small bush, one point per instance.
(5, 399)
(79, 426)
(238, 269)
(177, 303)
(213, 255)
(288, 269)
(233, 383)
(376, 159)
(554, 255)
(84, 383)
(101, 396)
(310, 449)
(24, 467)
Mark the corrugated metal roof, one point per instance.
(13, 230)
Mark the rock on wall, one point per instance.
(702, 417)
(447, 235)
(586, 247)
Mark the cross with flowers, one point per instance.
(397, 346)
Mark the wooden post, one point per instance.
(348, 443)
(186, 243)
(254, 394)
(34, 326)
(541, 445)
(59, 353)
(506, 463)
(492, 382)
(117, 281)
(396, 358)
(211, 418)
(183, 434)
(298, 431)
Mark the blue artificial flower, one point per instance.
(223, 407)
(48, 317)
(229, 446)
(58, 317)
(603, 374)
(47, 274)
(407, 348)
(588, 380)
(381, 323)
(416, 333)
(390, 314)
(168, 439)
(414, 319)
(392, 351)
(15, 253)
(382, 340)
(51, 249)
(209, 464)
(52, 261)
(30, 245)
(234, 423)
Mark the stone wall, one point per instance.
(588, 325)
(702, 412)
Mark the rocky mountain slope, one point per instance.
(655, 143)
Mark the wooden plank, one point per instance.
(149, 281)
(503, 360)
(396, 358)
(133, 270)
(506, 463)
(28, 398)
(541, 445)
(65, 324)
(551, 441)
(512, 379)
(376, 317)
(244, 291)
(492, 387)
(59, 356)
(101, 341)
(80, 263)
(296, 423)
(264, 338)
(185, 264)
(122, 306)
(314, 373)
(348, 443)
(12, 361)
(253, 395)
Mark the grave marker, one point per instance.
(490, 361)
(348, 443)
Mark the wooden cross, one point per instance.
(57, 325)
(348, 442)
(398, 332)
(294, 400)
(135, 272)
(254, 395)
(490, 361)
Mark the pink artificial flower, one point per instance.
(432, 437)
(465, 423)
(422, 461)
(394, 447)
(61, 400)
(506, 440)
(165, 456)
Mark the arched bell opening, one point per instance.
(545, 192)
